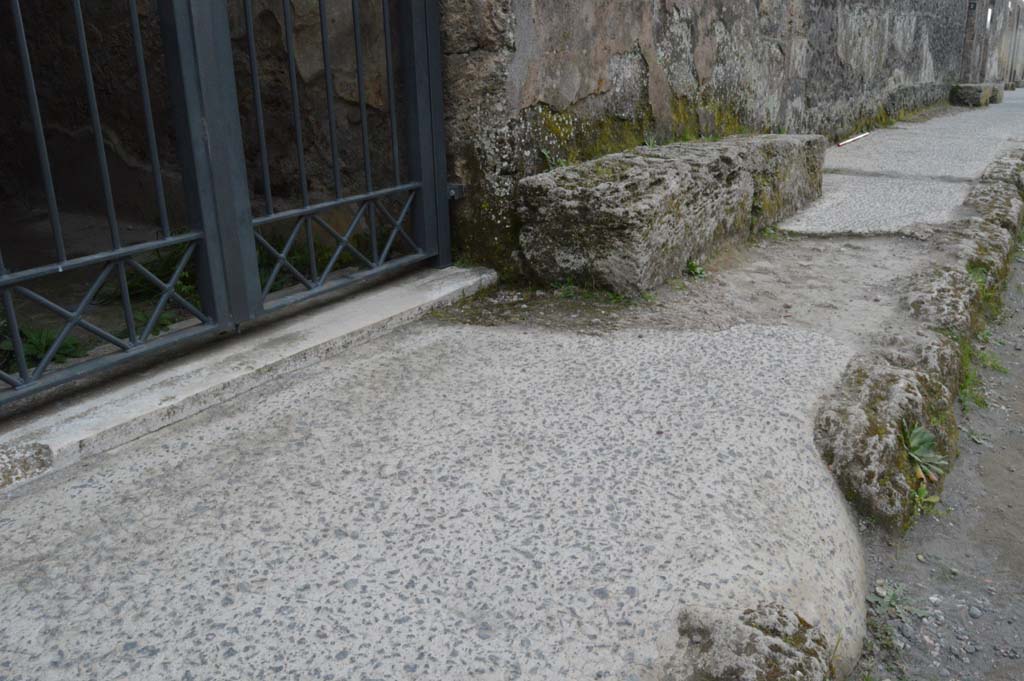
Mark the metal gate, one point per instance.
(258, 233)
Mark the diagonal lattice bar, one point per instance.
(282, 259)
(73, 321)
(8, 379)
(68, 314)
(344, 242)
(397, 227)
(163, 286)
(168, 292)
(15, 331)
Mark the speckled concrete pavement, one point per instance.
(455, 502)
(911, 173)
(448, 503)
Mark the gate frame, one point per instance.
(198, 54)
(209, 131)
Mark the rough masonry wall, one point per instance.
(536, 83)
(990, 40)
(529, 84)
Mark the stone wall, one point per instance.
(992, 35)
(534, 83)
(1015, 26)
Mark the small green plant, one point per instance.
(890, 599)
(920, 445)
(142, 318)
(991, 301)
(161, 263)
(972, 392)
(650, 138)
(569, 290)
(36, 343)
(990, 361)
(923, 501)
(552, 160)
(694, 269)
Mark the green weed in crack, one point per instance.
(924, 502)
(891, 600)
(919, 442)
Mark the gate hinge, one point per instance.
(456, 192)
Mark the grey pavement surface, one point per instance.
(460, 502)
(450, 502)
(911, 173)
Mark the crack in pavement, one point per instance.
(953, 179)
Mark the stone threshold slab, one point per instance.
(136, 405)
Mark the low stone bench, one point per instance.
(631, 221)
(974, 94)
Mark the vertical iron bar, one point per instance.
(147, 111)
(293, 78)
(12, 324)
(12, 328)
(94, 114)
(329, 85)
(37, 125)
(439, 174)
(361, 84)
(126, 302)
(393, 108)
(424, 118)
(257, 99)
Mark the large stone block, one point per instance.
(971, 94)
(997, 94)
(631, 221)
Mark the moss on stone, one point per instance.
(705, 118)
(485, 228)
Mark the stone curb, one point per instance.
(914, 378)
(633, 220)
(144, 402)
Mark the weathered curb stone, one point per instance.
(22, 462)
(997, 94)
(992, 196)
(767, 642)
(631, 221)
(914, 378)
(971, 94)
